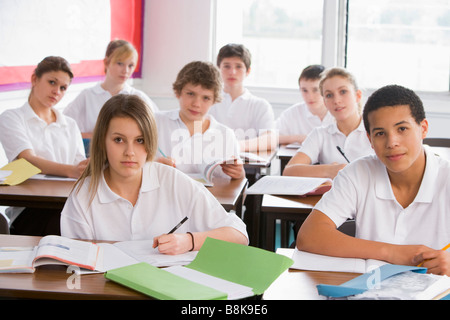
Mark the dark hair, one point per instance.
(311, 72)
(391, 96)
(200, 73)
(235, 50)
(53, 63)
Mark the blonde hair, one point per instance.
(119, 50)
(119, 106)
(339, 72)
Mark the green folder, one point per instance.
(245, 265)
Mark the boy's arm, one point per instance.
(319, 234)
(300, 165)
(266, 141)
(287, 139)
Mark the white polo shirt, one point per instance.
(191, 153)
(21, 129)
(362, 191)
(321, 144)
(298, 120)
(247, 115)
(165, 198)
(86, 106)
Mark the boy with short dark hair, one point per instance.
(297, 121)
(251, 117)
(395, 197)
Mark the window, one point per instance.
(283, 36)
(406, 42)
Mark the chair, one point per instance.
(4, 226)
(437, 142)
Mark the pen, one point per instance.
(342, 152)
(178, 225)
(160, 151)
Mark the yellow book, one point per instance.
(19, 171)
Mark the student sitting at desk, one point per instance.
(120, 61)
(189, 138)
(251, 117)
(297, 121)
(328, 149)
(397, 197)
(124, 195)
(44, 137)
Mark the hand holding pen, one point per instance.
(165, 159)
(171, 243)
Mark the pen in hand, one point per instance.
(178, 225)
(156, 243)
(342, 152)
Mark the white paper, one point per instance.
(317, 262)
(283, 185)
(233, 290)
(142, 251)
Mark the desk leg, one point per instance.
(269, 220)
(252, 218)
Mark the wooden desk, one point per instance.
(286, 209)
(53, 194)
(50, 282)
(33, 193)
(253, 168)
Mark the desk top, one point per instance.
(54, 193)
(287, 153)
(267, 157)
(289, 203)
(51, 282)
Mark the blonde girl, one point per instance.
(328, 149)
(120, 62)
(124, 195)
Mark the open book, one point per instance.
(284, 185)
(50, 250)
(17, 172)
(221, 270)
(317, 262)
(207, 170)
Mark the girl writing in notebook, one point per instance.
(124, 195)
(40, 134)
(328, 149)
(189, 137)
(120, 62)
